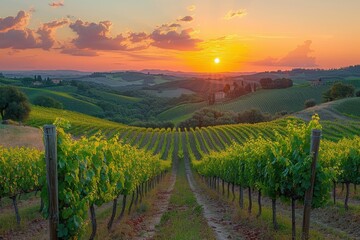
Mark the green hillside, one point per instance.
(271, 101)
(81, 124)
(69, 102)
(350, 107)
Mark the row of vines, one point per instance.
(91, 171)
(279, 167)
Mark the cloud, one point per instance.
(91, 37)
(234, 14)
(47, 32)
(96, 36)
(176, 40)
(191, 8)
(138, 37)
(175, 25)
(56, 4)
(79, 52)
(18, 39)
(16, 35)
(186, 19)
(299, 57)
(20, 21)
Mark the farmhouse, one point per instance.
(219, 96)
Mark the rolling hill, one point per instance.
(271, 101)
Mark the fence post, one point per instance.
(315, 143)
(52, 178)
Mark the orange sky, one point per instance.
(187, 36)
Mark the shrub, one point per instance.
(45, 101)
(310, 103)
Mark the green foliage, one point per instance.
(69, 102)
(95, 170)
(338, 91)
(13, 104)
(279, 167)
(46, 101)
(268, 83)
(211, 117)
(22, 170)
(310, 103)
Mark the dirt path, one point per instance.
(158, 208)
(146, 228)
(214, 212)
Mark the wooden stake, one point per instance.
(52, 178)
(315, 143)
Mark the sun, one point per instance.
(217, 60)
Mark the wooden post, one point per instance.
(52, 178)
(315, 143)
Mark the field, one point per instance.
(66, 99)
(148, 196)
(271, 101)
(193, 145)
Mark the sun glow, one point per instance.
(217, 60)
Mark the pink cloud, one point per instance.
(21, 20)
(234, 14)
(18, 39)
(299, 57)
(16, 35)
(97, 36)
(186, 19)
(56, 4)
(175, 40)
(79, 52)
(47, 32)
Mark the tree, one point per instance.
(13, 104)
(252, 116)
(45, 101)
(226, 88)
(357, 93)
(338, 91)
(266, 82)
(310, 103)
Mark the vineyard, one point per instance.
(107, 160)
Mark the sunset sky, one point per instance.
(187, 35)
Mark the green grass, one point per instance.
(170, 93)
(117, 98)
(180, 112)
(81, 124)
(69, 102)
(185, 219)
(349, 106)
(271, 101)
(28, 211)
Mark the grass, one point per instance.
(184, 219)
(28, 211)
(264, 223)
(80, 123)
(20, 136)
(69, 102)
(349, 106)
(128, 227)
(177, 113)
(271, 101)
(170, 93)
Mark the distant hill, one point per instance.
(271, 101)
